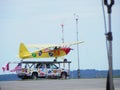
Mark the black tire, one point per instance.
(34, 76)
(24, 78)
(63, 75)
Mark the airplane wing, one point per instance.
(40, 46)
(43, 46)
(70, 44)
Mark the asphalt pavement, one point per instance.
(58, 84)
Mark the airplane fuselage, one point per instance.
(50, 53)
(47, 53)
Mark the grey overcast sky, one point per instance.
(39, 22)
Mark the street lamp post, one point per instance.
(77, 46)
(110, 85)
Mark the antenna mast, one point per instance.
(62, 26)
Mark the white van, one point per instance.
(46, 70)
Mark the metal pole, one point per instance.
(63, 39)
(109, 37)
(110, 57)
(62, 33)
(69, 69)
(77, 47)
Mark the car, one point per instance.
(41, 70)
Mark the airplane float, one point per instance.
(46, 51)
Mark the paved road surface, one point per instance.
(53, 84)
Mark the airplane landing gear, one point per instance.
(65, 60)
(55, 60)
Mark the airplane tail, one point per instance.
(23, 51)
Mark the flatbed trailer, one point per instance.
(46, 62)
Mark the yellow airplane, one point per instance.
(46, 51)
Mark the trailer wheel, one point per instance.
(23, 78)
(34, 76)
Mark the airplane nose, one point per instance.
(67, 50)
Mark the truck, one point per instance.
(42, 69)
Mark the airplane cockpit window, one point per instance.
(57, 47)
(51, 48)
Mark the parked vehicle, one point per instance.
(41, 70)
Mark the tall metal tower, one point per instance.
(76, 18)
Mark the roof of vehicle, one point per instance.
(45, 62)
